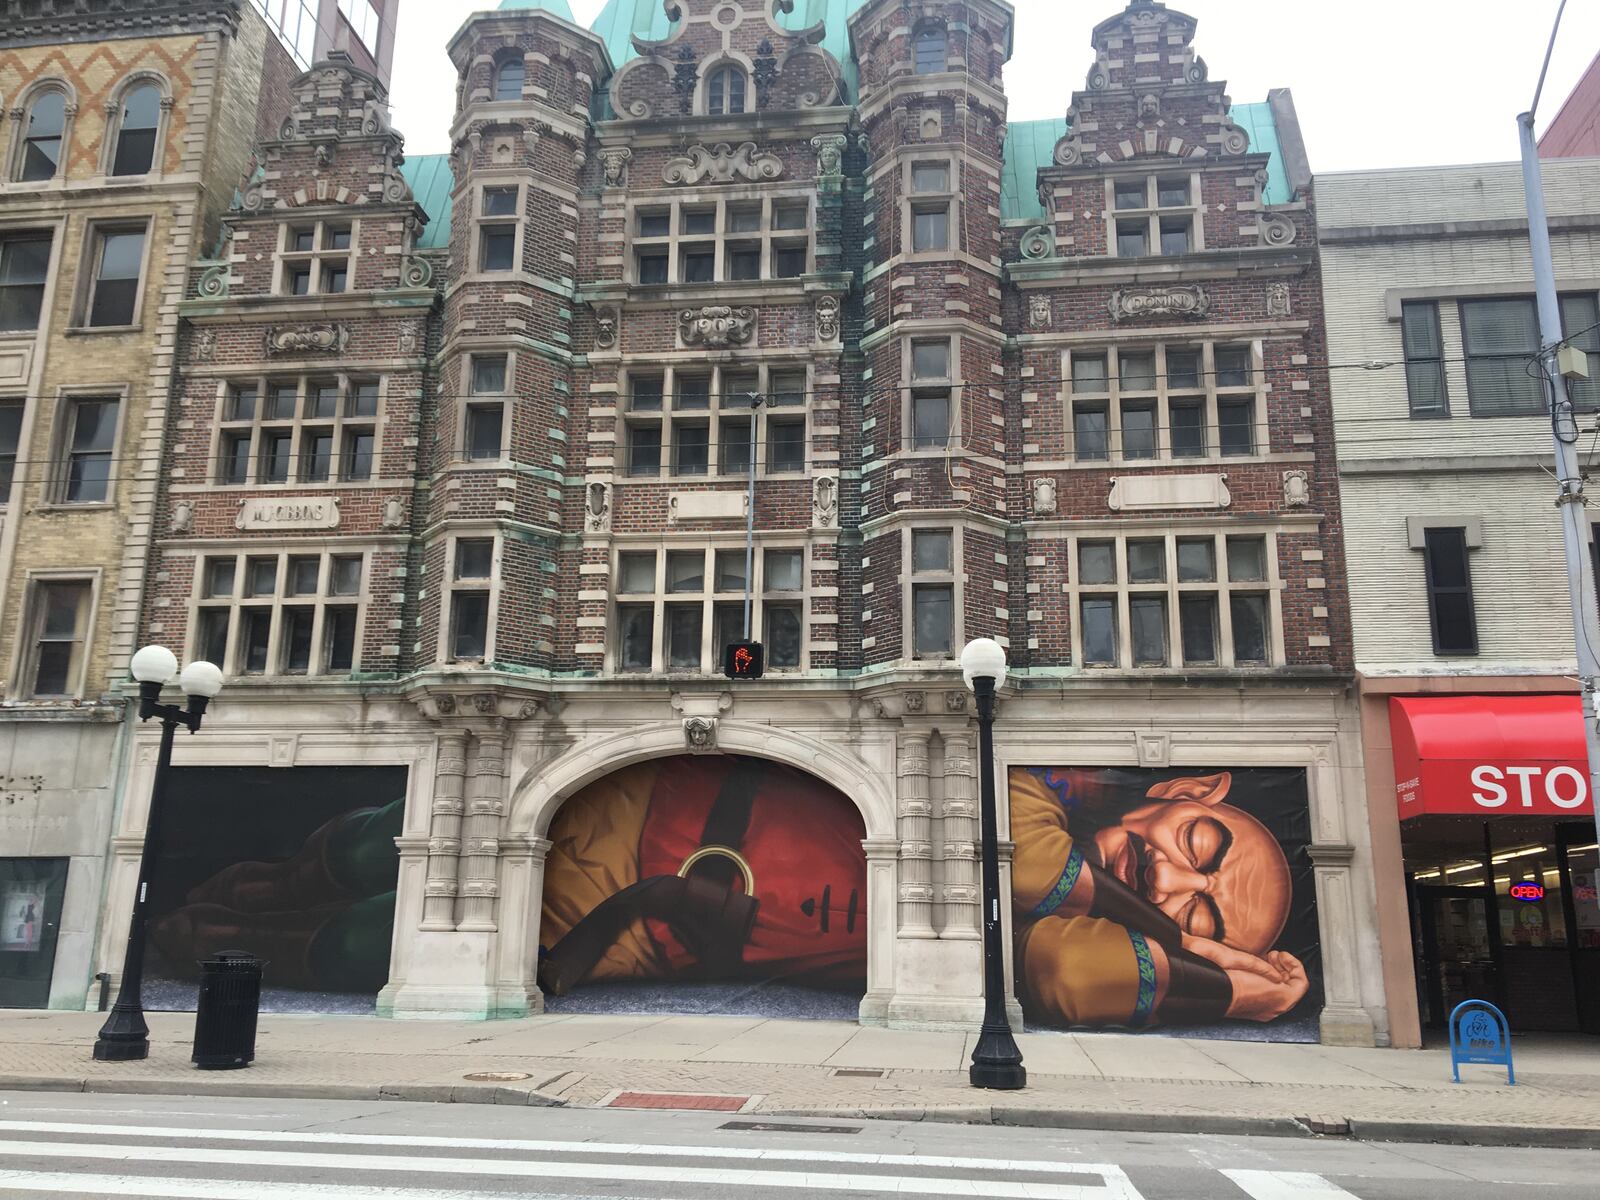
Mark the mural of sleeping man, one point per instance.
(705, 869)
(1178, 900)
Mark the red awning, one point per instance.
(1487, 755)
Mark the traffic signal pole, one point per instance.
(750, 523)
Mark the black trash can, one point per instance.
(225, 1013)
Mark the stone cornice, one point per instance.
(763, 125)
(56, 21)
(1226, 263)
(347, 306)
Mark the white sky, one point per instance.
(1378, 83)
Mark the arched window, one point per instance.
(932, 54)
(509, 79)
(725, 92)
(136, 133)
(41, 137)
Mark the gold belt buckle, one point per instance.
(727, 852)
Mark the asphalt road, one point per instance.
(221, 1149)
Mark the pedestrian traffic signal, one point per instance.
(744, 660)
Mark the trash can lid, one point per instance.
(232, 960)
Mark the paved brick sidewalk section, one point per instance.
(842, 1070)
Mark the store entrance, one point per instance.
(1457, 953)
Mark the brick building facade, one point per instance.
(460, 486)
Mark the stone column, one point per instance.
(883, 856)
(444, 833)
(916, 838)
(962, 893)
(486, 808)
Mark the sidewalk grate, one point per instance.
(858, 1073)
(679, 1100)
(782, 1127)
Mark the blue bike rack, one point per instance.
(1479, 1033)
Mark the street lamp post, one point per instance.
(125, 1035)
(996, 1060)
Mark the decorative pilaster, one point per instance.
(916, 839)
(486, 808)
(962, 895)
(444, 833)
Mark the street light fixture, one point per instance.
(996, 1060)
(125, 1035)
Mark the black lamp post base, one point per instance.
(997, 1063)
(124, 1037)
(109, 1051)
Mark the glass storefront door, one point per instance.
(31, 892)
(1458, 956)
(1580, 859)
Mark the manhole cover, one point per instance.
(497, 1076)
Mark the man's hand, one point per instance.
(1265, 996)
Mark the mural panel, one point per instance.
(706, 883)
(1173, 900)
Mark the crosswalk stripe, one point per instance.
(549, 1170)
(12, 1182)
(1286, 1185)
(1113, 1174)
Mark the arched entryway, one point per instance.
(705, 883)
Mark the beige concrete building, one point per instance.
(118, 155)
(1463, 635)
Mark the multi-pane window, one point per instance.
(117, 259)
(315, 429)
(296, 24)
(1501, 340)
(24, 263)
(1155, 214)
(699, 420)
(509, 78)
(931, 406)
(497, 228)
(10, 440)
(43, 131)
(721, 240)
(725, 91)
(1169, 401)
(138, 122)
(930, 205)
(678, 610)
(364, 21)
(1451, 612)
(315, 258)
(1192, 600)
(484, 412)
(1580, 325)
(59, 631)
(933, 592)
(471, 578)
(279, 613)
(1424, 351)
(88, 449)
(932, 50)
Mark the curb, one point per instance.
(1359, 1130)
(428, 1093)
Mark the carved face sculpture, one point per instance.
(1214, 869)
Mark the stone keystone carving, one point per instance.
(616, 162)
(700, 733)
(1136, 303)
(307, 339)
(723, 163)
(830, 154)
(827, 318)
(717, 326)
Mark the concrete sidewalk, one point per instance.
(844, 1070)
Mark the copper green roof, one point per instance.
(558, 8)
(1031, 145)
(431, 183)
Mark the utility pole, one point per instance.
(1570, 500)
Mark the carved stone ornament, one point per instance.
(1069, 151)
(1297, 489)
(417, 273)
(764, 72)
(717, 326)
(615, 161)
(723, 163)
(955, 702)
(1039, 242)
(685, 75)
(825, 503)
(830, 154)
(1278, 302)
(1044, 497)
(307, 339)
(1150, 108)
(1277, 230)
(395, 188)
(1039, 312)
(182, 517)
(410, 337)
(916, 701)
(605, 327)
(827, 318)
(445, 703)
(597, 506)
(214, 283)
(700, 733)
(205, 345)
(484, 704)
(1234, 139)
(1135, 304)
(394, 513)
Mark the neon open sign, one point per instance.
(1527, 891)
